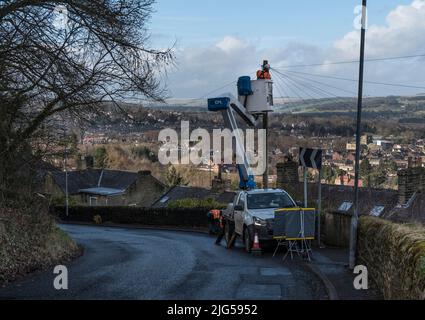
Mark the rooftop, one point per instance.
(102, 179)
(102, 191)
(184, 192)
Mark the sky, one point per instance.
(216, 41)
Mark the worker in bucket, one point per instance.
(264, 73)
(222, 232)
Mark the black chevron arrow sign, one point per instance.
(311, 158)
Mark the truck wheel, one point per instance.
(247, 240)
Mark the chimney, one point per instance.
(221, 185)
(88, 162)
(287, 173)
(144, 173)
(220, 172)
(410, 181)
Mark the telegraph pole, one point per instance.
(266, 173)
(355, 217)
(66, 176)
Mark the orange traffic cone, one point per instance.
(256, 249)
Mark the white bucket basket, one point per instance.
(262, 99)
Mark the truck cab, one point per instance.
(252, 211)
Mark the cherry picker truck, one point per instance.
(250, 216)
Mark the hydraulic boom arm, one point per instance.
(228, 105)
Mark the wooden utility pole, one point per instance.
(266, 172)
(355, 217)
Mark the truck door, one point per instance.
(239, 214)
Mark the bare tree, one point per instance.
(69, 57)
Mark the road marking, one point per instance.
(259, 292)
(275, 272)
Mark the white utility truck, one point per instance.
(252, 212)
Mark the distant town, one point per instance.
(131, 143)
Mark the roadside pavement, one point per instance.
(331, 264)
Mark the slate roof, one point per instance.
(42, 169)
(333, 196)
(414, 213)
(90, 178)
(368, 198)
(184, 192)
(226, 197)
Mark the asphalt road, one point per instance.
(153, 264)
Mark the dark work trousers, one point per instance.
(221, 232)
(214, 228)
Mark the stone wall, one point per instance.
(337, 228)
(395, 257)
(145, 191)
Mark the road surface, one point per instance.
(153, 264)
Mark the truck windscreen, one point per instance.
(269, 201)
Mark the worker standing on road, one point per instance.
(222, 232)
(214, 220)
(264, 73)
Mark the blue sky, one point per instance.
(201, 22)
(318, 27)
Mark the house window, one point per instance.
(164, 199)
(377, 211)
(93, 201)
(345, 206)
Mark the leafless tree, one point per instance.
(69, 57)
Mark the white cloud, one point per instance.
(201, 70)
(403, 34)
(229, 44)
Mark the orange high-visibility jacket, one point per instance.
(216, 214)
(263, 75)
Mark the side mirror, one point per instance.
(300, 204)
(238, 208)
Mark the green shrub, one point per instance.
(144, 152)
(59, 200)
(395, 257)
(196, 203)
(97, 219)
(30, 240)
(173, 217)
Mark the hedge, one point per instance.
(172, 217)
(196, 203)
(30, 241)
(395, 257)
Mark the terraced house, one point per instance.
(102, 187)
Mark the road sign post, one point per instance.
(305, 187)
(319, 208)
(312, 158)
(266, 172)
